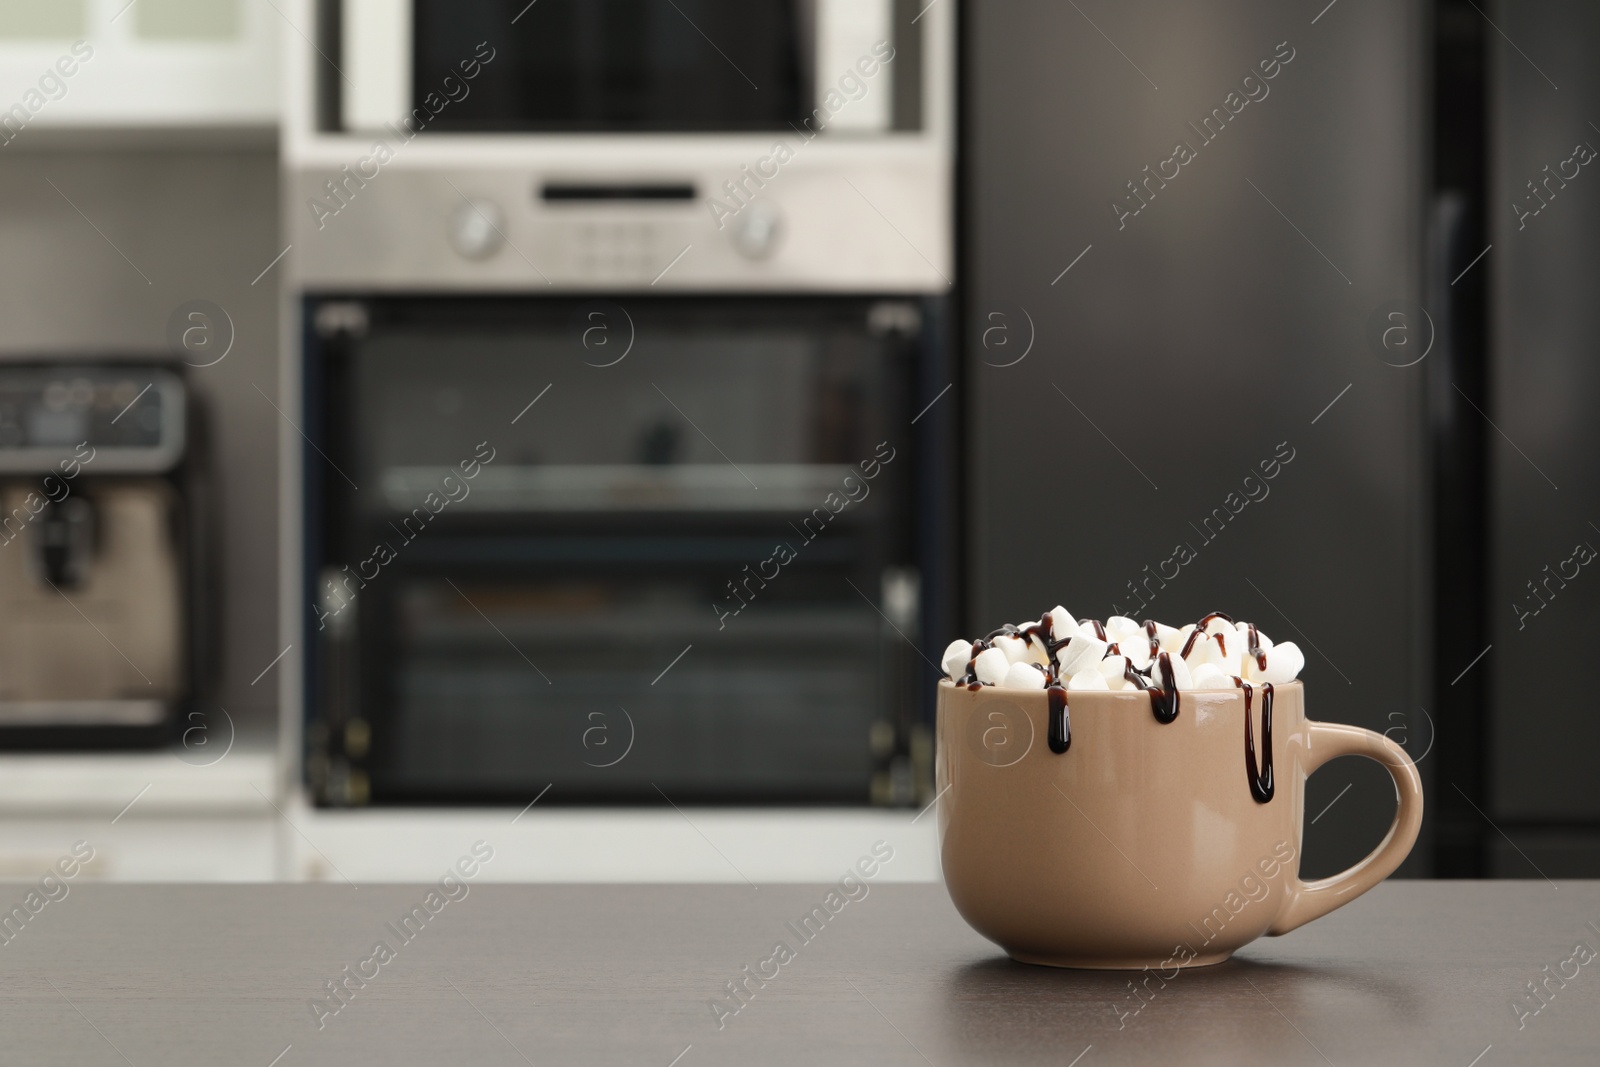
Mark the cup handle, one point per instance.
(1312, 900)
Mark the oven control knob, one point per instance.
(756, 229)
(477, 229)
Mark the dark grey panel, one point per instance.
(1542, 854)
(1546, 380)
(1194, 340)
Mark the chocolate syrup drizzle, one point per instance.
(1261, 783)
(1164, 698)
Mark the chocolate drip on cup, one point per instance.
(1261, 783)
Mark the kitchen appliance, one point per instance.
(662, 276)
(1537, 810)
(785, 145)
(96, 553)
(1196, 317)
(687, 556)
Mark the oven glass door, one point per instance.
(614, 65)
(667, 545)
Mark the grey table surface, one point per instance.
(1415, 972)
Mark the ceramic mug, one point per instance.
(1143, 844)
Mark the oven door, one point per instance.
(662, 548)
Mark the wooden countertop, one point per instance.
(1415, 972)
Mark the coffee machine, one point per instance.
(97, 554)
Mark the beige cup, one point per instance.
(1142, 845)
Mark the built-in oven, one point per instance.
(621, 547)
(619, 418)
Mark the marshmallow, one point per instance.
(1062, 624)
(1120, 628)
(1023, 676)
(1089, 679)
(1218, 658)
(1209, 649)
(1015, 647)
(1037, 652)
(1244, 638)
(1211, 676)
(1171, 638)
(991, 666)
(1181, 677)
(1179, 641)
(1284, 663)
(955, 658)
(1080, 654)
(1114, 670)
(1137, 650)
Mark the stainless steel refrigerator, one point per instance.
(1543, 734)
(1196, 240)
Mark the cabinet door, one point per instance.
(152, 63)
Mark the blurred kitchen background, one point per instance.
(401, 401)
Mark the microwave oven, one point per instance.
(661, 145)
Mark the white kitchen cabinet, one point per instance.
(180, 815)
(144, 64)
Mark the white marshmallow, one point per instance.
(1015, 647)
(1037, 652)
(1062, 624)
(1120, 628)
(1023, 676)
(1262, 640)
(956, 655)
(1219, 650)
(1170, 638)
(1244, 637)
(1114, 670)
(1138, 652)
(1086, 628)
(991, 666)
(1179, 641)
(1210, 676)
(1205, 650)
(1089, 679)
(1284, 664)
(1080, 654)
(1219, 626)
(1181, 677)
